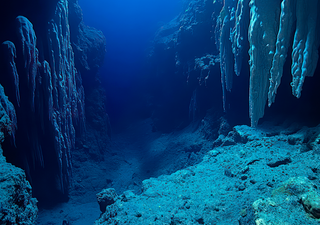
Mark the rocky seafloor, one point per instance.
(263, 175)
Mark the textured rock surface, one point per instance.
(269, 43)
(223, 188)
(10, 55)
(43, 80)
(89, 46)
(289, 204)
(8, 120)
(262, 38)
(221, 29)
(184, 62)
(40, 66)
(106, 197)
(16, 203)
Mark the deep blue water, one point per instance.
(129, 27)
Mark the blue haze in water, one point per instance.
(129, 28)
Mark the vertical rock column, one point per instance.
(51, 104)
(9, 50)
(224, 24)
(262, 31)
(230, 32)
(67, 95)
(271, 28)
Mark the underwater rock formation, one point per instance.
(8, 119)
(106, 197)
(30, 53)
(225, 48)
(89, 46)
(262, 38)
(10, 54)
(16, 203)
(231, 185)
(270, 32)
(67, 91)
(230, 34)
(50, 53)
(239, 33)
(42, 81)
(266, 34)
(185, 64)
(216, 29)
(306, 24)
(52, 88)
(284, 201)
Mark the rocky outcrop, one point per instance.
(89, 46)
(45, 63)
(106, 197)
(185, 62)
(226, 31)
(232, 184)
(16, 203)
(52, 99)
(297, 196)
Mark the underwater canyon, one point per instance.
(203, 113)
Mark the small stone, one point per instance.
(106, 197)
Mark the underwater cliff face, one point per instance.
(210, 41)
(47, 55)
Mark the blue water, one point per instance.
(129, 27)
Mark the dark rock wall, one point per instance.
(185, 68)
(194, 62)
(17, 206)
(16, 203)
(49, 56)
(89, 46)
